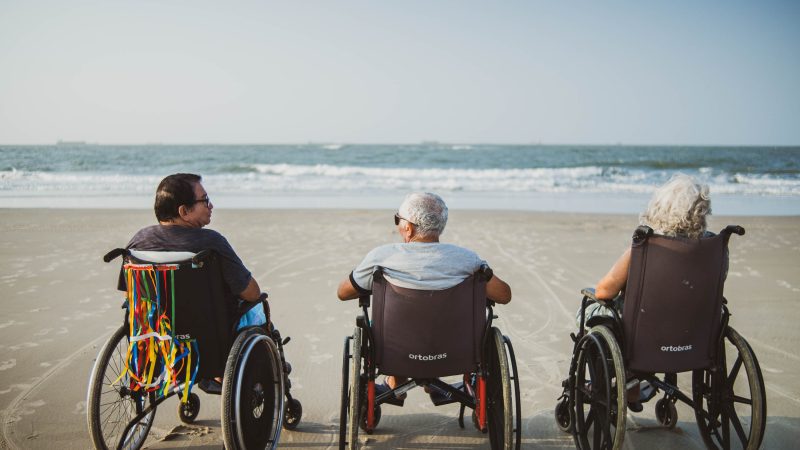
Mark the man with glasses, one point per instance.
(421, 261)
(183, 208)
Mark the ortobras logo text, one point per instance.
(419, 357)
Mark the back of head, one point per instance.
(678, 208)
(427, 211)
(174, 191)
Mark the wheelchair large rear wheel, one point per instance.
(732, 405)
(252, 393)
(111, 404)
(355, 389)
(502, 394)
(599, 392)
(344, 403)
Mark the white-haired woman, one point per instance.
(678, 208)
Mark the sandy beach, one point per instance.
(59, 304)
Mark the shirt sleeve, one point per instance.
(361, 277)
(236, 275)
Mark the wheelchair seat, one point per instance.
(422, 335)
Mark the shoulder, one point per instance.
(458, 250)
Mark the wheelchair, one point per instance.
(178, 334)
(674, 319)
(423, 335)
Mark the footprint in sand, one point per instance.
(23, 345)
(319, 359)
(30, 407)
(9, 323)
(80, 408)
(311, 337)
(7, 364)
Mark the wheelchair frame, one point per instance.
(598, 350)
(110, 400)
(496, 409)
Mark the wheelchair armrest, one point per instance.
(589, 292)
(114, 253)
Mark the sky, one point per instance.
(630, 72)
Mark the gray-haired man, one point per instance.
(421, 261)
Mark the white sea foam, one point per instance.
(350, 179)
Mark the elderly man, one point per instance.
(421, 261)
(183, 209)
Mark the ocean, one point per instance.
(573, 178)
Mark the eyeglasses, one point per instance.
(397, 219)
(205, 200)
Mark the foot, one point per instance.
(381, 389)
(211, 386)
(441, 397)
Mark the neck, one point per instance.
(425, 239)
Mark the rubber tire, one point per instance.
(187, 412)
(293, 412)
(247, 389)
(709, 394)
(499, 403)
(599, 341)
(344, 403)
(109, 364)
(666, 413)
(356, 386)
(562, 416)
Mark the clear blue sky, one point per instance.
(636, 72)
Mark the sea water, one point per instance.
(576, 178)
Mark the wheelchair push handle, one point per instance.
(110, 256)
(735, 229)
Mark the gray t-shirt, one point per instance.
(417, 265)
(184, 239)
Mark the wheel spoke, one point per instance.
(737, 425)
(743, 400)
(735, 370)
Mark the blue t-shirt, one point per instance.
(418, 265)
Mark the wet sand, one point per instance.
(59, 305)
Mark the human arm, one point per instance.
(349, 289)
(252, 292)
(498, 290)
(346, 291)
(614, 281)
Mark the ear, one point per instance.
(182, 210)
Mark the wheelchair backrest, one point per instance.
(673, 301)
(178, 315)
(428, 333)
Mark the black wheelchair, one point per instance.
(423, 335)
(674, 319)
(178, 333)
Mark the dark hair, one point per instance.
(174, 191)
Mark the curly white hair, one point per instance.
(678, 208)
